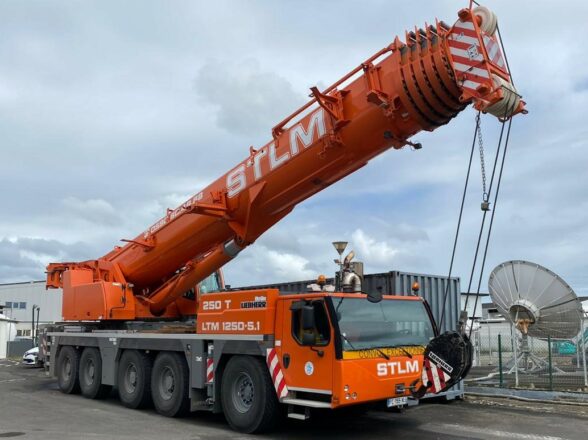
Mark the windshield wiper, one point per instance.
(384, 355)
(404, 350)
(400, 347)
(348, 341)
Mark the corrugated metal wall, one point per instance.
(432, 289)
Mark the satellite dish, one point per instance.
(538, 302)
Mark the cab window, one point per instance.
(209, 284)
(321, 331)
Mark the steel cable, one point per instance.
(465, 189)
(491, 221)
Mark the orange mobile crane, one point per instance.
(134, 318)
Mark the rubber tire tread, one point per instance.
(267, 413)
(73, 386)
(145, 365)
(96, 390)
(181, 401)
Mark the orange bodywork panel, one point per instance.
(415, 84)
(376, 378)
(244, 312)
(89, 300)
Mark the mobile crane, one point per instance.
(153, 319)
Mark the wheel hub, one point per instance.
(243, 392)
(167, 384)
(131, 378)
(67, 367)
(91, 370)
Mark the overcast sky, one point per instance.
(111, 112)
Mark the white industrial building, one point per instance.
(474, 308)
(7, 333)
(18, 300)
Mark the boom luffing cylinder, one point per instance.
(417, 84)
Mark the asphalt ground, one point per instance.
(32, 407)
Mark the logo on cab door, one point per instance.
(393, 368)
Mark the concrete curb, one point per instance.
(542, 396)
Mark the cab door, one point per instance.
(307, 354)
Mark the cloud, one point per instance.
(258, 264)
(25, 258)
(247, 99)
(92, 210)
(372, 250)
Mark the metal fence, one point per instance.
(504, 357)
(17, 348)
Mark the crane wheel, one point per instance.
(248, 397)
(169, 384)
(90, 375)
(134, 379)
(489, 21)
(68, 364)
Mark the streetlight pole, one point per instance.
(35, 307)
(340, 248)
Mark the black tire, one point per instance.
(134, 379)
(248, 397)
(169, 384)
(90, 375)
(68, 364)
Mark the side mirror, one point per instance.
(374, 297)
(308, 339)
(308, 322)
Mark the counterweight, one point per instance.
(416, 84)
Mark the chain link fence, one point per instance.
(504, 357)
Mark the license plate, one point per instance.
(396, 401)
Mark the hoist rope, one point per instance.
(497, 155)
(463, 197)
(504, 53)
(491, 221)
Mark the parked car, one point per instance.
(31, 357)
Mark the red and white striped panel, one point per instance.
(493, 50)
(44, 345)
(435, 376)
(466, 53)
(209, 370)
(276, 373)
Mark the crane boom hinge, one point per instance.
(147, 244)
(375, 94)
(218, 207)
(333, 105)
